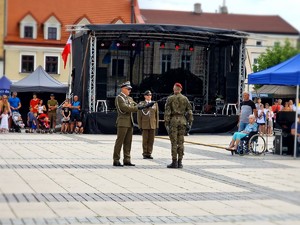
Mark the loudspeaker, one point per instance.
(101, 83)
(232, 87)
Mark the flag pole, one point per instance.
(70, 70)
(296, 123)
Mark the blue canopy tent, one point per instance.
(4, 85)
(285, 73)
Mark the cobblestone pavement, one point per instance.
(69, 179)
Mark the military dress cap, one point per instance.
(148, 92)
(52, 95)
(126, 85)
(178, 85)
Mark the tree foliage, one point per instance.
(274, 56)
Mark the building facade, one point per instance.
(35, 32)
(262, 32)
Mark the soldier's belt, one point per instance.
(177, 114)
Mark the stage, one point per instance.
(104, 123)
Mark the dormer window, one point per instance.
(28, 32)
(28, 27)
(52, 33)
(52, 29)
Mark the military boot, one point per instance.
(180, 163)
(173, 164)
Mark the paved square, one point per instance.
(69, 179)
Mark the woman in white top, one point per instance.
(261, 119)
(40, 107)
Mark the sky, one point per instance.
(287, 9)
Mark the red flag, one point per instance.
(66, 51)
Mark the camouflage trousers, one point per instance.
(176, 134)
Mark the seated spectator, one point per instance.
(31, 121)
(293, 130)
(237, 136)
(79, 127)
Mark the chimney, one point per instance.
(224, 9)
(197, 8)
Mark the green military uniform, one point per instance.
(178, 111)
(148, 120)
(125, 107)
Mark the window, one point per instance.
(255, 61)
(28, 32)
(258, 43)
(27, 63)
(51, 64)
(186, 62)
(166, 62)
(52, 33)
(118, 65)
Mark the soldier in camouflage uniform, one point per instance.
(178, 115)
(125, 107)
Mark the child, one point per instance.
(30, 119)
(4, 121)
(78, 128)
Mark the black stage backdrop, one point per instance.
(104, 123)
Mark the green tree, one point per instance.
(274, 56)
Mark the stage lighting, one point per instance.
(133, 44)
(191, 47)
(147, 44)
(118, 44)
(102, 44)
(177, 46)
(162, 44)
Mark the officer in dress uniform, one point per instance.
(178, 116)
(148, 120)
(125, 107)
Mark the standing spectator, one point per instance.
(4, 121)
(148, 122)
(52, 107)
(40, 108)
(1, 104)
(287, 107)
(292, 105)
(75, 113)
(258, 103)
(280, 104)
(269, 120)
(5, 105)
(261, 119)
(247, 108)
(34, 102)
(275, 108)
(66, 113)
(125, 107)
(176, 108)
(15, 105)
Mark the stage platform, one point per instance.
(104, 123)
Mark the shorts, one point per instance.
(75, 117)
(64, 120)
(261, 124)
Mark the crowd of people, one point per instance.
(40, 117)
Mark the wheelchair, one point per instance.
(253, 143)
